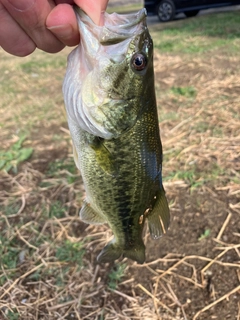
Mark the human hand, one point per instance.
(49, 25)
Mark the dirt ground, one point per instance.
(192, 272)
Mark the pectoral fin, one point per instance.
(75, 155)
(89, 215)
(103, 157)
(159, 216)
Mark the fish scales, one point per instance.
(111, 107)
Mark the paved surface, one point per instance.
(154, 19)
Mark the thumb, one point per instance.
(62, 22)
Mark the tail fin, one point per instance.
(112, 252)
(136, 253)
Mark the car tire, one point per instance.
(166, 10)
(191, 13)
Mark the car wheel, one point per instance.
(192, 13)
(166, 10)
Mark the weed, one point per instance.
(187, 175)
(72, 252)
(8, 253)
(184, 91)
(11, 208)
(61, 276)
(35, 276)
(15, 155)
(68, 165)
(58, 165)
(56, 210)
(116, 275)
(204, 235)
(12, 315)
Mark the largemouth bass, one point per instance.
(112, 115)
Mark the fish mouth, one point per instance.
(117, 27)
(124, 27)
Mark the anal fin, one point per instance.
(89, 215)
(159, 216)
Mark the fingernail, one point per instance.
(22, 5)
(62, 31)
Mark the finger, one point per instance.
(62, 22)
(93, 8)
(31, 15)
(13, 38)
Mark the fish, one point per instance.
(110, 102)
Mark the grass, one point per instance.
(48, 267)
(56, 209)
(12, 315)
(204, 34)
(126, 8)
(184, 91)
(116, 275)
(16, 154)
(57, 167)
(70, 252)
(36, 66)
(205, 234)
(9, 253)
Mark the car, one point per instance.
(167, 9)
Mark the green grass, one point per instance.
(71, 252)
(184, 91)
(115, 275)
(125, 8)
(57, 210)
(11, 208)
(12, 315)
(199, 35)
(58, 165)
(55, 168)
(35, 65)
(8, 252)
(15, 155)
(195, 176)
(205, 234)
(29, 94)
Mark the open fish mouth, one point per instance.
(117, 27)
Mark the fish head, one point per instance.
(125, 70)
(109, 74)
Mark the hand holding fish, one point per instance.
(48, 25)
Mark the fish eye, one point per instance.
(139, 61)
